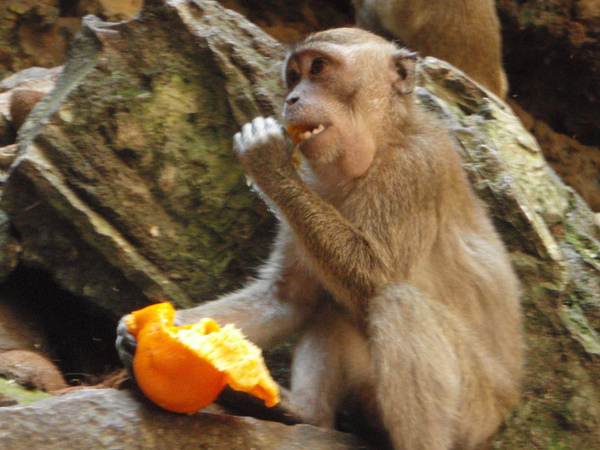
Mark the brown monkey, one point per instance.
(385, 265)
(466, 33)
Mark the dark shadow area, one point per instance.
(80, 336)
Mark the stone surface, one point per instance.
(126, 188)
(10, 248)
(12, 393)
(19, 329)
(288, 21)
(555, 246)
(552, 56)
(18, 95)
(577, 164)
(107, 418)
(36, 33)
(31, 370)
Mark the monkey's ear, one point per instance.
(405, 63)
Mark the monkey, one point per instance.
(466, 33)
(386, 267)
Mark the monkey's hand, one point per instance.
(126, 345)
(265, 150)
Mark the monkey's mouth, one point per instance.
(302, 133)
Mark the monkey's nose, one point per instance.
(291, 99)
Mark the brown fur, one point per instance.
(386, 265)
(466, 33)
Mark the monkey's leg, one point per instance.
(321, 372)
(417, 371)
(330, 358)
(289, 410)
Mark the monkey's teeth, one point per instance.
(318, 130)
(308, 134)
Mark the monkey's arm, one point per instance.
(351, 264)
(267, 310)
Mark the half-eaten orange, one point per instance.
(183, 369)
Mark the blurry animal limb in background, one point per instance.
(466, 33)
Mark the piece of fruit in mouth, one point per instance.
(302, 133)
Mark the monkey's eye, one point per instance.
(292, 78)
(317, 66)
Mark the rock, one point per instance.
(107, 418)
(20, 329)
(577, 164)
(18, 95)
(552, 57)
(36, 78)
(7, 132)
(10, 248)
(37, 32)
(22, 102)
(182, 220)
(36, 315)
(110, 10)
(288, 21)
(8, 155)
(24, 346)
(31, 370)
(555, 246)
(12, 393)
(7, 400)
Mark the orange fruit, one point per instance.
(294, 133)
(183, 369)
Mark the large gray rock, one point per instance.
(555, 247)
(110, 419)
(552, 57)
(126, 188)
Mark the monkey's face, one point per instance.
(343, 87)
(323, 110)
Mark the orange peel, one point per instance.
(183, 369)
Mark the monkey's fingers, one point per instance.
(126, 345)
(244, 404)
(266, 129)
(238, 142)
(259, 133)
